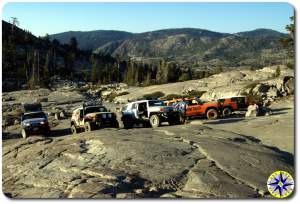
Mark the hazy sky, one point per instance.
(42, 18)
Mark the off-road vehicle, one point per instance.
(194, 107)
(148, 113)
(35, 121)
(92, 116)
(231, 104)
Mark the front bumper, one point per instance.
(37, 128)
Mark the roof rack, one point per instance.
(91, 103)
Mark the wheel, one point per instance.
(88, 127)
(74, 129)
(24, 133)
(226, 112)
(154, 121)
(212, 114)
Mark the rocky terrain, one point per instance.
(265, 82)
(224, 158)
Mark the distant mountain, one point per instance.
(262, 32)
(196, 46)
(201, 46)
(91, 40)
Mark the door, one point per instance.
(193, 109)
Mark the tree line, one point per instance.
(31, 61)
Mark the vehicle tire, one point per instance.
(212, 114)
(88, 127)
(226, 112)
(24, 133)
(74, 130)
(154, 121)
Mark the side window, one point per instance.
(135, 106)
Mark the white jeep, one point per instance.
(149, 113)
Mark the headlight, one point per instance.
(43, 122)
(27, 124)
(109, 115)
(103, 116)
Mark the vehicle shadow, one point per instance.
(7, 136)
(60, 132)
(224, 121)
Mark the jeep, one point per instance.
(34, 123)
(229, 105)
(89, 117)
(148, 113)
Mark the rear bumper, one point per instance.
(105, 122)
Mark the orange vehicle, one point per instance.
(196, 107)
(229, 105)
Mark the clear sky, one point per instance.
(42, 18)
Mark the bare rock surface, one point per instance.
(170, 161)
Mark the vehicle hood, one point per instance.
(34, 120)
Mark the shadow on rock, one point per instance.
(286, 156)
(60, 132)
(224, 121)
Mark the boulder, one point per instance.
(272, 92)
(289, 85)
(16, 122)
(57, 116)
(260, 89)
(62, 114)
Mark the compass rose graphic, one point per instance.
(280, 184)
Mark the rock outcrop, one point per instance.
(176, 161)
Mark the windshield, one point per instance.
(156, 103)
(95, 109)
(34, 115)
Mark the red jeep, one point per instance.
(229, 105)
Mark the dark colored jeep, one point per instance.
(34, 123)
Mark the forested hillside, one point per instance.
(141, 59)
(30, 61)
(193, 47)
